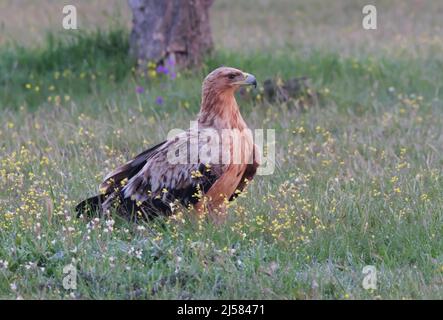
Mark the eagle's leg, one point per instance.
(215, 209)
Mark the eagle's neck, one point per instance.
(220, 111)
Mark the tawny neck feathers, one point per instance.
(220, 110)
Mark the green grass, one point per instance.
(358, 178)
(65, 64)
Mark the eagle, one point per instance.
(202, 168)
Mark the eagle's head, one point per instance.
(226, 79)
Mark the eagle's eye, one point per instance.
(232, 76)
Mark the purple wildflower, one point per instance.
(173, 75)
(162, 69)
(159, 100)
(139, 90)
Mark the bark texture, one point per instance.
(171, 29)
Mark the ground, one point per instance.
(358, 178)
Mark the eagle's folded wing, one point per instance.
(125, 172)
(163, 179)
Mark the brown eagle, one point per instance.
(202, 168)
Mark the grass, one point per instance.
(358, 177)
(62, 65)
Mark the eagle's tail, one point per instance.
(91, 206)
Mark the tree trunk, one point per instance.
(171, 29)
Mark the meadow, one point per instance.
(358, 178)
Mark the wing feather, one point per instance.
(128, 170)
(159, 182)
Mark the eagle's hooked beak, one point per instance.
(248, 81)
